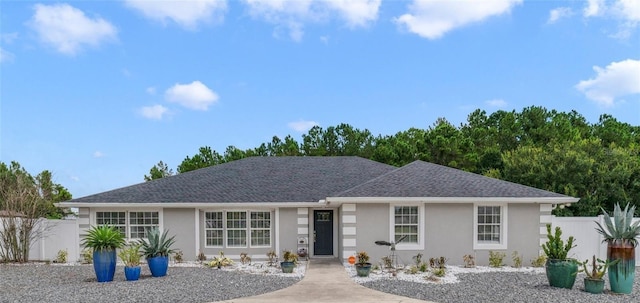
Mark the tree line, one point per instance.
(547, 149)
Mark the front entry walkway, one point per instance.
(325, 281)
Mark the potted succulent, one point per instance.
(131, 257)
(593, 282)
(104, 240)
(289, 261)
(220, 261)
(363, 267)
(561, 272)
(156, 249)
(620, 234)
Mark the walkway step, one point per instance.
(325, 280)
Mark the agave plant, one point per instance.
(156, 244)
(103, 237)
(620, 228)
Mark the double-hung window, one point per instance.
(407, 224)
(133, 224)
(238, 228)
(490, 227)
(214, 229)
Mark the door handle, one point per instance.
(314, 236)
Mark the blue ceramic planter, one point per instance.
(104, 264)
(132, 273)
(158, 266)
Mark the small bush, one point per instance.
(272, 257)
(244, 258)
(439, 272)
(413, 270)
(517, 259)
(539, 261)
(469, 261)
(87, 256)
(495, 258)
(177, 256)
(418, 259)
(61, 257)
(423, 267)
(201, 257)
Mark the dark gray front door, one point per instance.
(323, 232)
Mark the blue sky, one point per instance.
(99, 91)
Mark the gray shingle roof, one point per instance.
(255, 179)
(423, 179)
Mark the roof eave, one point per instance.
(190, 204)
(432, 200)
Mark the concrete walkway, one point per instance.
(325, 281)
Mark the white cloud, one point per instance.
(593, 8)
(155, 112)
(186, 14)
(559, 13)
(68, 30)
(616, 80)
(626, 12)
(195, 95)
(302, 126)
(496, 103)
(357, 13)
(292, 15)
(151, 90)
(432, 19)
(98, 154)
(5, 56)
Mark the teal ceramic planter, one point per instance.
(561, 273)
(363, 270)
(158, 266)
(104, 264)
(594, 286)
(287, 267)
(622, 274)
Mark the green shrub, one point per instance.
(61, 257)
(517, 259)
(539, 261)
(495, 258)
(555, 248)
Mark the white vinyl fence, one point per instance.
(587, 240)
(56, 235)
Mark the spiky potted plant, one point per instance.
(363, 267)
(561, 271)
(156, 249)
(620, 233)
(593, 282)
(104, 240)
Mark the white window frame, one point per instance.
(392, 223)
(477, 245)
(222, 229)
(144, 225)
(259, 229)
(229, 229)
(247, 229)
(94, 215)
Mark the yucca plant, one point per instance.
(103, 237)
(620, 228)
(157, 244)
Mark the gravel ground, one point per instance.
(501, 287)
(56, 283)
